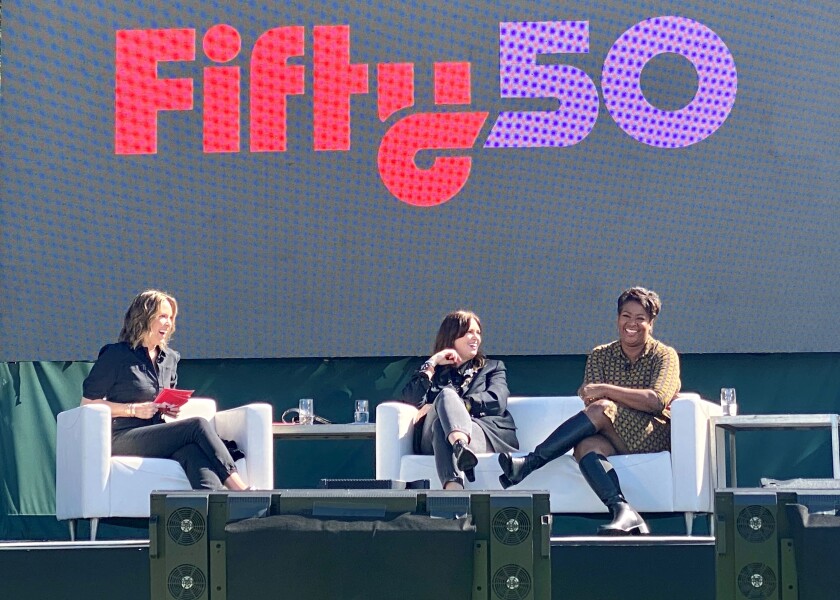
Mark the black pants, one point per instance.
(192, 442)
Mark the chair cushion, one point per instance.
(537, 417)
(645, 480)
(136, 477)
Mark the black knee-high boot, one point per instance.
(557, 444)
(602, 478)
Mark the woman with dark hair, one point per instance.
(128, 376)
(462, 397)
(627, 388)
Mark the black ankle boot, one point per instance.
(601, 477)
(464, 459)
(515, 469)
(561, 440)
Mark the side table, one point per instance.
(344, 431)
(727, 427)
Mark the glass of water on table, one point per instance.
(728, 402)
(306, 411)
(362, 414)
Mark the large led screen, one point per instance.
(329, 179)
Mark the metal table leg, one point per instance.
(733, 463)
(720, 455)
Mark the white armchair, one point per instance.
(675, 481)
(92, 484)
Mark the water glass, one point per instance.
(306, 411)
(728, 402)
(362, 414)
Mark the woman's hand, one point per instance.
(140, 410)
(145, 410)
(592, 392)
(447, 356)
(644, 400)
(170, 410)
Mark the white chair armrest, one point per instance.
(196, 407)
(83, 454)
(250, 426)
(691, 453)
(394, 437)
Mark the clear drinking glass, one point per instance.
(361, 415)
(306, 411)
(728, 402)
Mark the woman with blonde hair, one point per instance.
(128, 376)
(462, 397)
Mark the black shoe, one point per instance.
(515, 469)
(626, 521)
(465, 459)
(504, 462)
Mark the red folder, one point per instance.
(173, 397)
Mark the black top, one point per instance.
(124, 374)
(485, 394)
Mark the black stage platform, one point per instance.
(583, 568)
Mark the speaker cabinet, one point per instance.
(350, 543)
(178, 547)
(519, 561)
(816, 538)
(754, 556)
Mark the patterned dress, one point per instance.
(657, 369)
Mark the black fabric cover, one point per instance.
(407, 556)
(816, 538)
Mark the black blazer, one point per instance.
(487, 395)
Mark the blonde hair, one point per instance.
(142, 310)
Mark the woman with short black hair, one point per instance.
(627, 388)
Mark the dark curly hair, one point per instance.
(647, 298)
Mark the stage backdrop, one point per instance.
(329, 179)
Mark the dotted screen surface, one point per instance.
(330, 179)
